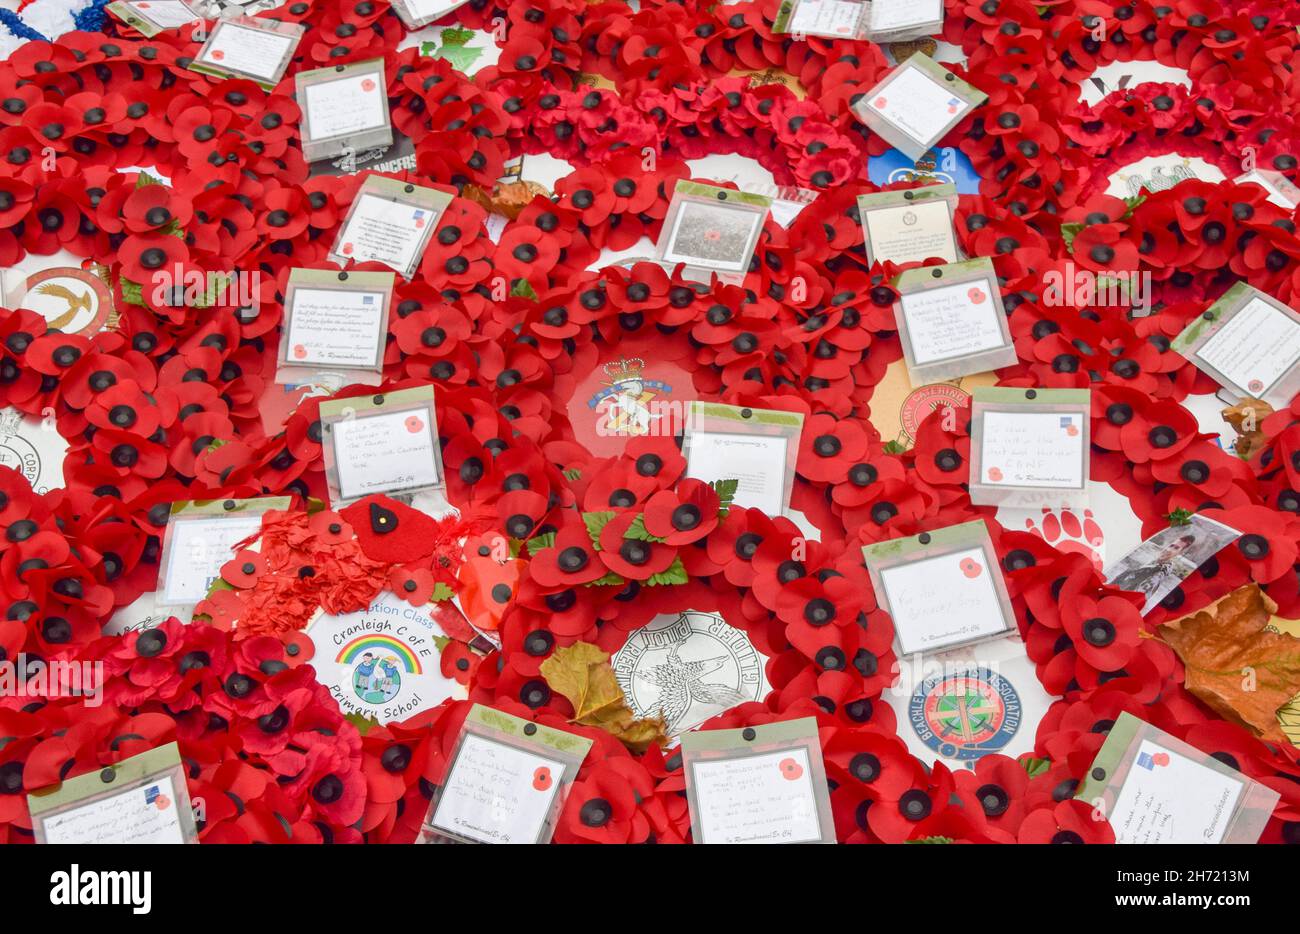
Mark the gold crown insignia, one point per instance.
(626, 368)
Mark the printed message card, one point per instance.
(755, 447)
(909, 226)
(390, 222)
(150, 17)
(760, 784)
(507, 780)
(834, 19)
(892, 20)
(243, 47)
(334, 321)
(1154, 788)
(942, 588)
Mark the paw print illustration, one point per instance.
(1070, 533)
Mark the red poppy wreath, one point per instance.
(286, 693)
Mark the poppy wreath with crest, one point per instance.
(165, 406)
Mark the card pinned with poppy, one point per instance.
(831, 19)
(756, 448)
(712, 231)
(344, 109)
(951, 321)
(1249, 342)
(911, 225)
(389, 222)
(150, 17)
(244, 47)
(916, 104)
(201, 536)
(898, 20)
(334, 323)
(1030, 447)
(943, 588)
(506, 782)
(140, 800)
(1155, 788)
(759, 784)
(415, 14)
(385, 443)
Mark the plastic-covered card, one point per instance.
(1029, 447)
(150, 17)
(1162, 562)
(386, 443)
(942, 588)
(916, 104)
(506, 783)
(418, 13)
(1249, 342)
(759, 784)
(201, 536)
(1281, 190)
(910, 226)
(758, 448)
(344, 109)
(897, 20)
(140, 800)
(334, 322)
(951, 321)
(712, 230)
(390, 222)
(244, 47)
(832, 19)
(1155, 788)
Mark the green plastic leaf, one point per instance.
(441, 592)
(1035, 767)
(726, 490)
(637, 531)
(1068, 233)
(1180, 517)
(132, 292)
(596, 522)
(361, 722)
(539, 543)
(895, 447)
(931, 840)
(674, 574)
(144, 178)
(610, 579)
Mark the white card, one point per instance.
(951, 321)
(343, 107)
(146, 815)
(712, 236)
(385, 231)
(386, 453)
(767, 798)
(422, 9)
(912, 232)
(1038, 449)
(197, 548)
(1254, 348)
(168, 14)
(887, 15)
(1169, 798)
(1283, 199)
(942, 601)
(757, 461)
(334, 327)
(497, 793)
(917, 104)
(240, 49)
(826, 18)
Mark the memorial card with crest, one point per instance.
(942, 588)
(910, 226)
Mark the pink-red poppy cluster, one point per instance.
(169, 404)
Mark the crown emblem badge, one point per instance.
(625, 403)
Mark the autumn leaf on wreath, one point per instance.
(582, 673)
(1245, 418)
(1236, 665)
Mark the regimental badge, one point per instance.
(689, 668)
(625, 401)
(965, 714)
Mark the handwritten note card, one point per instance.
(912, 232)
(385, 231)
(197, 548)
(757, 461)
(943, 601)
(1032, 449)
(240, 49)
(766, 798)
(332, 327)
(917, 104)
(343, 107)
(891, 15)
(826, 18)
(497, 793)
(386, 453)
(1255, 348)
(1169, 798)
(165, 13)
(138, 815)
(951, 321)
